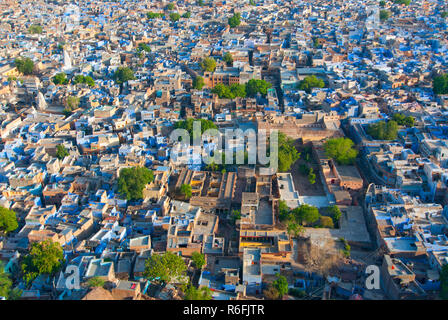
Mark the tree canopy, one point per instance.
(185, 190)
(254, 86)
(281, 284)
(235, 20)
(133, 180)
(384, 15)
(123, 74)
(24, 65)
(311, 82)
(186, 15)
(35, 29)
(306, 214)
(163, 268)
(287, 152)
(383, 130)
(440, 84)
(444, 282)
(208, 64)
(153, 15)
(174, 16)
(192, 293)
(84, 80)
(227, 58)
(188, 125)
(341, 150)
(60, 78)
(44, 257)
(402, 120)
(61, 151)
(198, 83)
(8, 220)
(198, 260)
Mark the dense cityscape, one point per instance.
(224, 150)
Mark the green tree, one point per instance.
(306, 214)
(293, 228)
(341, 150)
(235, 20)
(271, 293)
(198, 260)
(174, 16)
(347, 248)
(382, 3)
(383, 130)
(169, 7)
(405, 2)
(238, 90)
(311, 82)
(163, 268)
(72, 103)
(384, 15)
(326, 222)
(444, 14)
(84, 80)
(133, 180)
(5, 281)
(8, 220)
(281, 284)
(227, 58)
(35, 29)
(287, 152)
(198, 83)
(254, 86)
(200, 3)
(95, 282)
(60, 78)
(143, 47)
(311, 176)
(192, 293)
(444, 282)
(252, 3)
(123, 74)
(154, 15)
(61, 151)
(235, 215)
(440, 84)
(25, 66)
(208, 64)
(44, 258)
(186, 15)
(335, 213)
(185, 190)
(283, 210)
(188, 125)
(402, 120)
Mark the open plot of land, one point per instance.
(301, 183)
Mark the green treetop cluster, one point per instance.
(402, 120)
(287, 152)
(25, 65)
(123, 74)
(35, 29)
(235, 20)
(133, 180)
(88, 80)
(341, 150)
(310, 82)
(208, 64)
(60, 79)
(383, 130)
(154, 15)
(440, 84)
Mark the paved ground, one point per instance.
(317, 201)
(264, 213)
